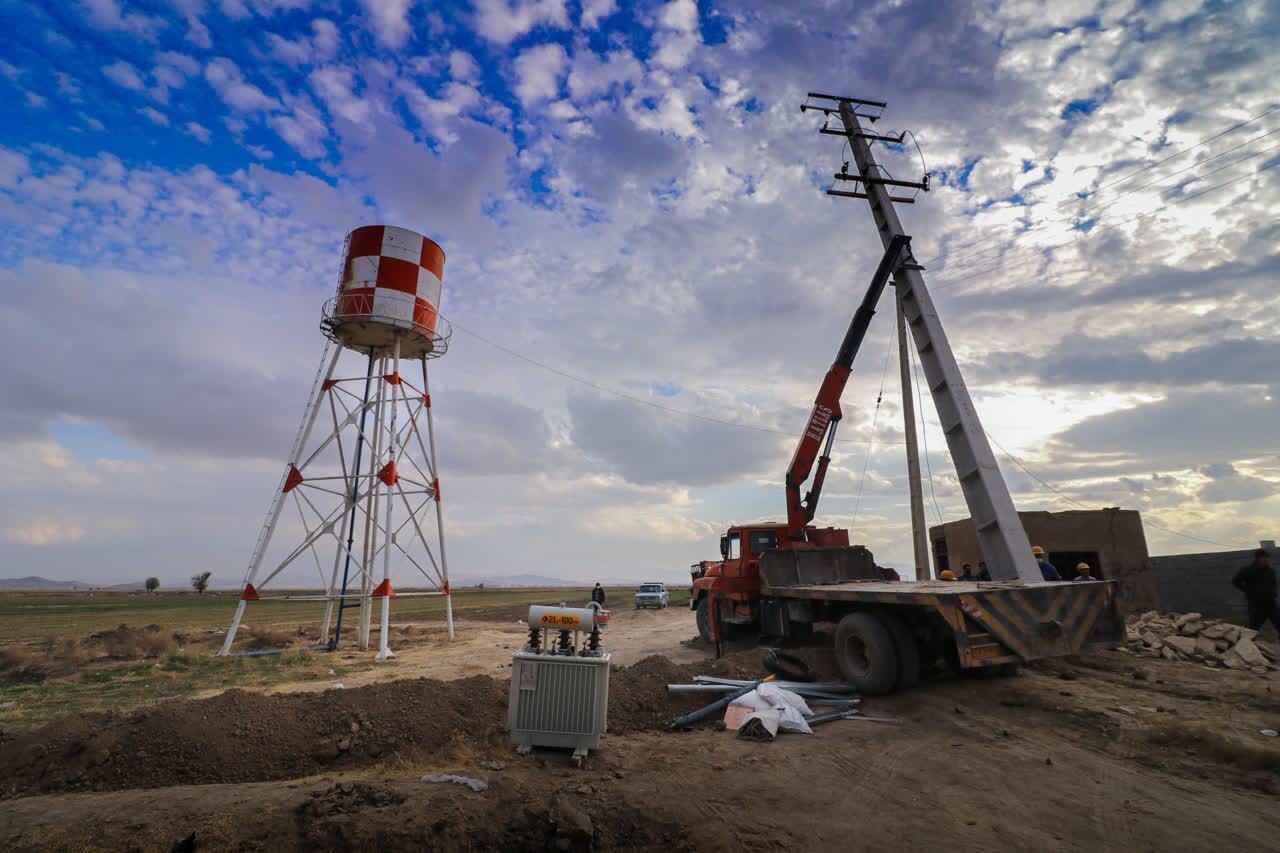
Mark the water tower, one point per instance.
(362, 474)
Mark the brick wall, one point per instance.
(1202, 582)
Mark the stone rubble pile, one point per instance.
(1191, 637)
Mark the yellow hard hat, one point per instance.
(1038, 551)
(946, 575)
(1082, 567)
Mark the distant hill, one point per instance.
(515, 580)
(34, 582)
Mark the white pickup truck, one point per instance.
(652, 595)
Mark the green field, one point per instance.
(38, 616)
(51, 664)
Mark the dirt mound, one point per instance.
(638, 697)
(239, 736)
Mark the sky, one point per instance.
(629, 194)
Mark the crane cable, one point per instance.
(866, 460)
(924, 428)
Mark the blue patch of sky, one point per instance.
(89, 443)
(1079, 108)
(958, 177)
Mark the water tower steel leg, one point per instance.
(353, 488)
(277, 502)
(389, 538)
(372, 506)
(435, 472)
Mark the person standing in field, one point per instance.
(1258, 583)
(597, 595)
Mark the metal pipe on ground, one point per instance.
(719, 705)
(851, 714)
(793, 686)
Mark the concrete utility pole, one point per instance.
(1000, 534)
(919, 535)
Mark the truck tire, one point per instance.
(904, 643)
(704, 619)
(866, 655)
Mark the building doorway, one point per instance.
(1065, 562)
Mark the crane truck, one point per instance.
(779, 579)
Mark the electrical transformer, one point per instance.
(560, 681)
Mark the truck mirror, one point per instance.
(724, 547)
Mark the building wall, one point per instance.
(1201, 583)
(1115, 535)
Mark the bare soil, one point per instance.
(1102, 752)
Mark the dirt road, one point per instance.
(1106, 752)
(485, 647)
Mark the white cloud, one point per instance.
(389, 20)
(592, 75)
(462, 66)
(336, 87)
(679, 15)
(154, 115)
(301, 126)
(13, 166)
(325, 39)
(504, 21)
(225, 77)
(44, 532)
(197, 130)
(539, 71)
(36, 101)
(109, 15)
(595, 11)
(123, 74)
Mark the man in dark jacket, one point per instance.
(597, 595)
(1258, 583)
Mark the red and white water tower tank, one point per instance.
(390, 285)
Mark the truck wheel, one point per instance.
(865, 654)
(904, 643)
(704, 620)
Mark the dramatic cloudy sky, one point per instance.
(629, 194)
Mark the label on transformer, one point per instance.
(560, 620)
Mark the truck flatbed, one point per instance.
(992, 622)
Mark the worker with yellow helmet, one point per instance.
(946, 575)
(1083, 573)
(1047, 569)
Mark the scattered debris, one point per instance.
(1192, 637)
(477, 785)
(1268, 732)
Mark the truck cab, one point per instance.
(728, 591)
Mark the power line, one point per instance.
(950, 261)
(1095, 231)
(1178, 154)
(642, 401)
(1066, 497)
(924, 430)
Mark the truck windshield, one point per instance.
(651, 587)
(762, 540)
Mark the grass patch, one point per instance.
(1209, 743)
(25, 616)
(177, 675)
